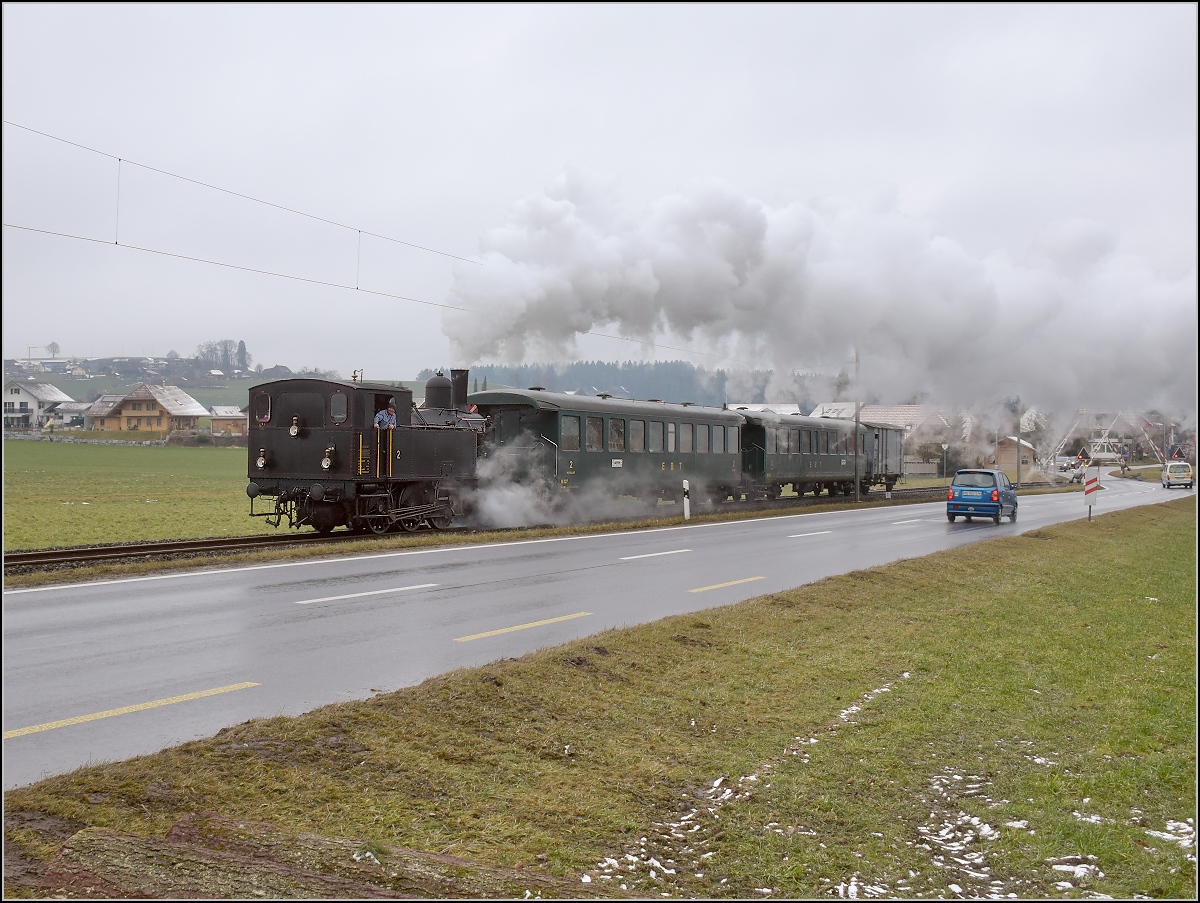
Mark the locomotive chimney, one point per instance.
(458, 381)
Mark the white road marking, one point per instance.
(374, 592)
(915, 520)
(653, 555)
(800, 535)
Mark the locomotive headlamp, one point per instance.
(327, 461)
(294, 429)
(262, 459)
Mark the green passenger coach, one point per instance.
(639, 448)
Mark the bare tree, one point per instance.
(53, 349)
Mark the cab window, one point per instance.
(637, 435)
(595, 434)
(616, 435)
(337, 407)
(570, 433)
(262, 408)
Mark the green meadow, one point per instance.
(62, 494)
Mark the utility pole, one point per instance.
(857, 421)
(1018, 445)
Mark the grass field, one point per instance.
(60, 494)
(1014, 717)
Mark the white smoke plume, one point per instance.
(1069, 321)
(515, 490)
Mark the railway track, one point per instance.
(42, 559)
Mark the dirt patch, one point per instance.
(207, 855)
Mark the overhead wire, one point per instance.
(175, 175)
(351, 288)
(361, 232)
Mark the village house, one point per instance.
(71, 413)
(1006, 455)
(229, 420)
(29, 405)
(149, 407)
(94, 418)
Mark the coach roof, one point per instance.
(540, 399)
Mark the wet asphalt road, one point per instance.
(107, 670)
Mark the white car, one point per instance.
(1177, 473)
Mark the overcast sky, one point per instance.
(984, 200)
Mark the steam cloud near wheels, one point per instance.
(1068, 321)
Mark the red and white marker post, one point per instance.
(1091, 488)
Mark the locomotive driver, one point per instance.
(386, 419)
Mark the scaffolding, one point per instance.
(1105, 443)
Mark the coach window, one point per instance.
(702, 438)
(616, 435)
(656, 436)
(731, 439)
(671, 437)
(685, 437)
(718, 440)
(784, 439)
(794, 445)
(771, 437)
(570, 433)
(262, 408)
(595, 434)
(824, 442)
(637, 435)
(337, 407)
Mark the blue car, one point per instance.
(981, 493)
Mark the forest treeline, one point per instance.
(674, 381)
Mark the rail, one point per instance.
(37, 559)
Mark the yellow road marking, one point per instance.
(125, 710)
(479, 636)
(704, 589)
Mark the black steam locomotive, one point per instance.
(315, 450)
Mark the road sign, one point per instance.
(1091, 487)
